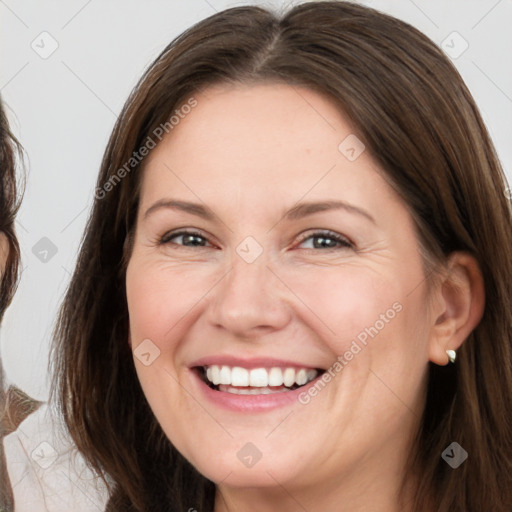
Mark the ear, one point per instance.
(4, 252)
(457, 307)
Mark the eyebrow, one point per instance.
(299, 211)
(304, 209)
(185, 206)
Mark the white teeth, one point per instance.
(239, 376)
(225, 375)
(311, 374)
(301, 377)
(258, 377)
(289, 377)
(251, 391)
(275, 377)
(215, 374)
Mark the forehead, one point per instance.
(264, 142)
(258, 113)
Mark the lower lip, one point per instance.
(250, 403)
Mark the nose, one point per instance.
(250, 301)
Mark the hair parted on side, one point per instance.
(420, 123)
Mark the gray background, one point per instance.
(63, 107)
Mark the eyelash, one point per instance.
(345, 242)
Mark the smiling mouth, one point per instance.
(256, 381)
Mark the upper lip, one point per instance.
(255, 362)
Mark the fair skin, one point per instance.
(249, 154)
(4, 252)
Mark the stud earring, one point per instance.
(452, 355)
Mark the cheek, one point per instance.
(373, 320)
(161, 303)
(346, 301)
(160, 299)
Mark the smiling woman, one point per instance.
(329, 221)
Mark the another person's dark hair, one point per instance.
(10, 151)
(412, 110)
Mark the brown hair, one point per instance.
(415, 115)
(10, 149)
(10, 201)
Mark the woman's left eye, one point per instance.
(321, 239)
(327, 240)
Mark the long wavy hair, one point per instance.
(418, 120)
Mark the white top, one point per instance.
(46, 472)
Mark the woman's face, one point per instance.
(271, 280)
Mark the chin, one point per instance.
(244, 465)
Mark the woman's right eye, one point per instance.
(188, 237)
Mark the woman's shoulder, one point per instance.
(45, 471)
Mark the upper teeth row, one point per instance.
(259, 377)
